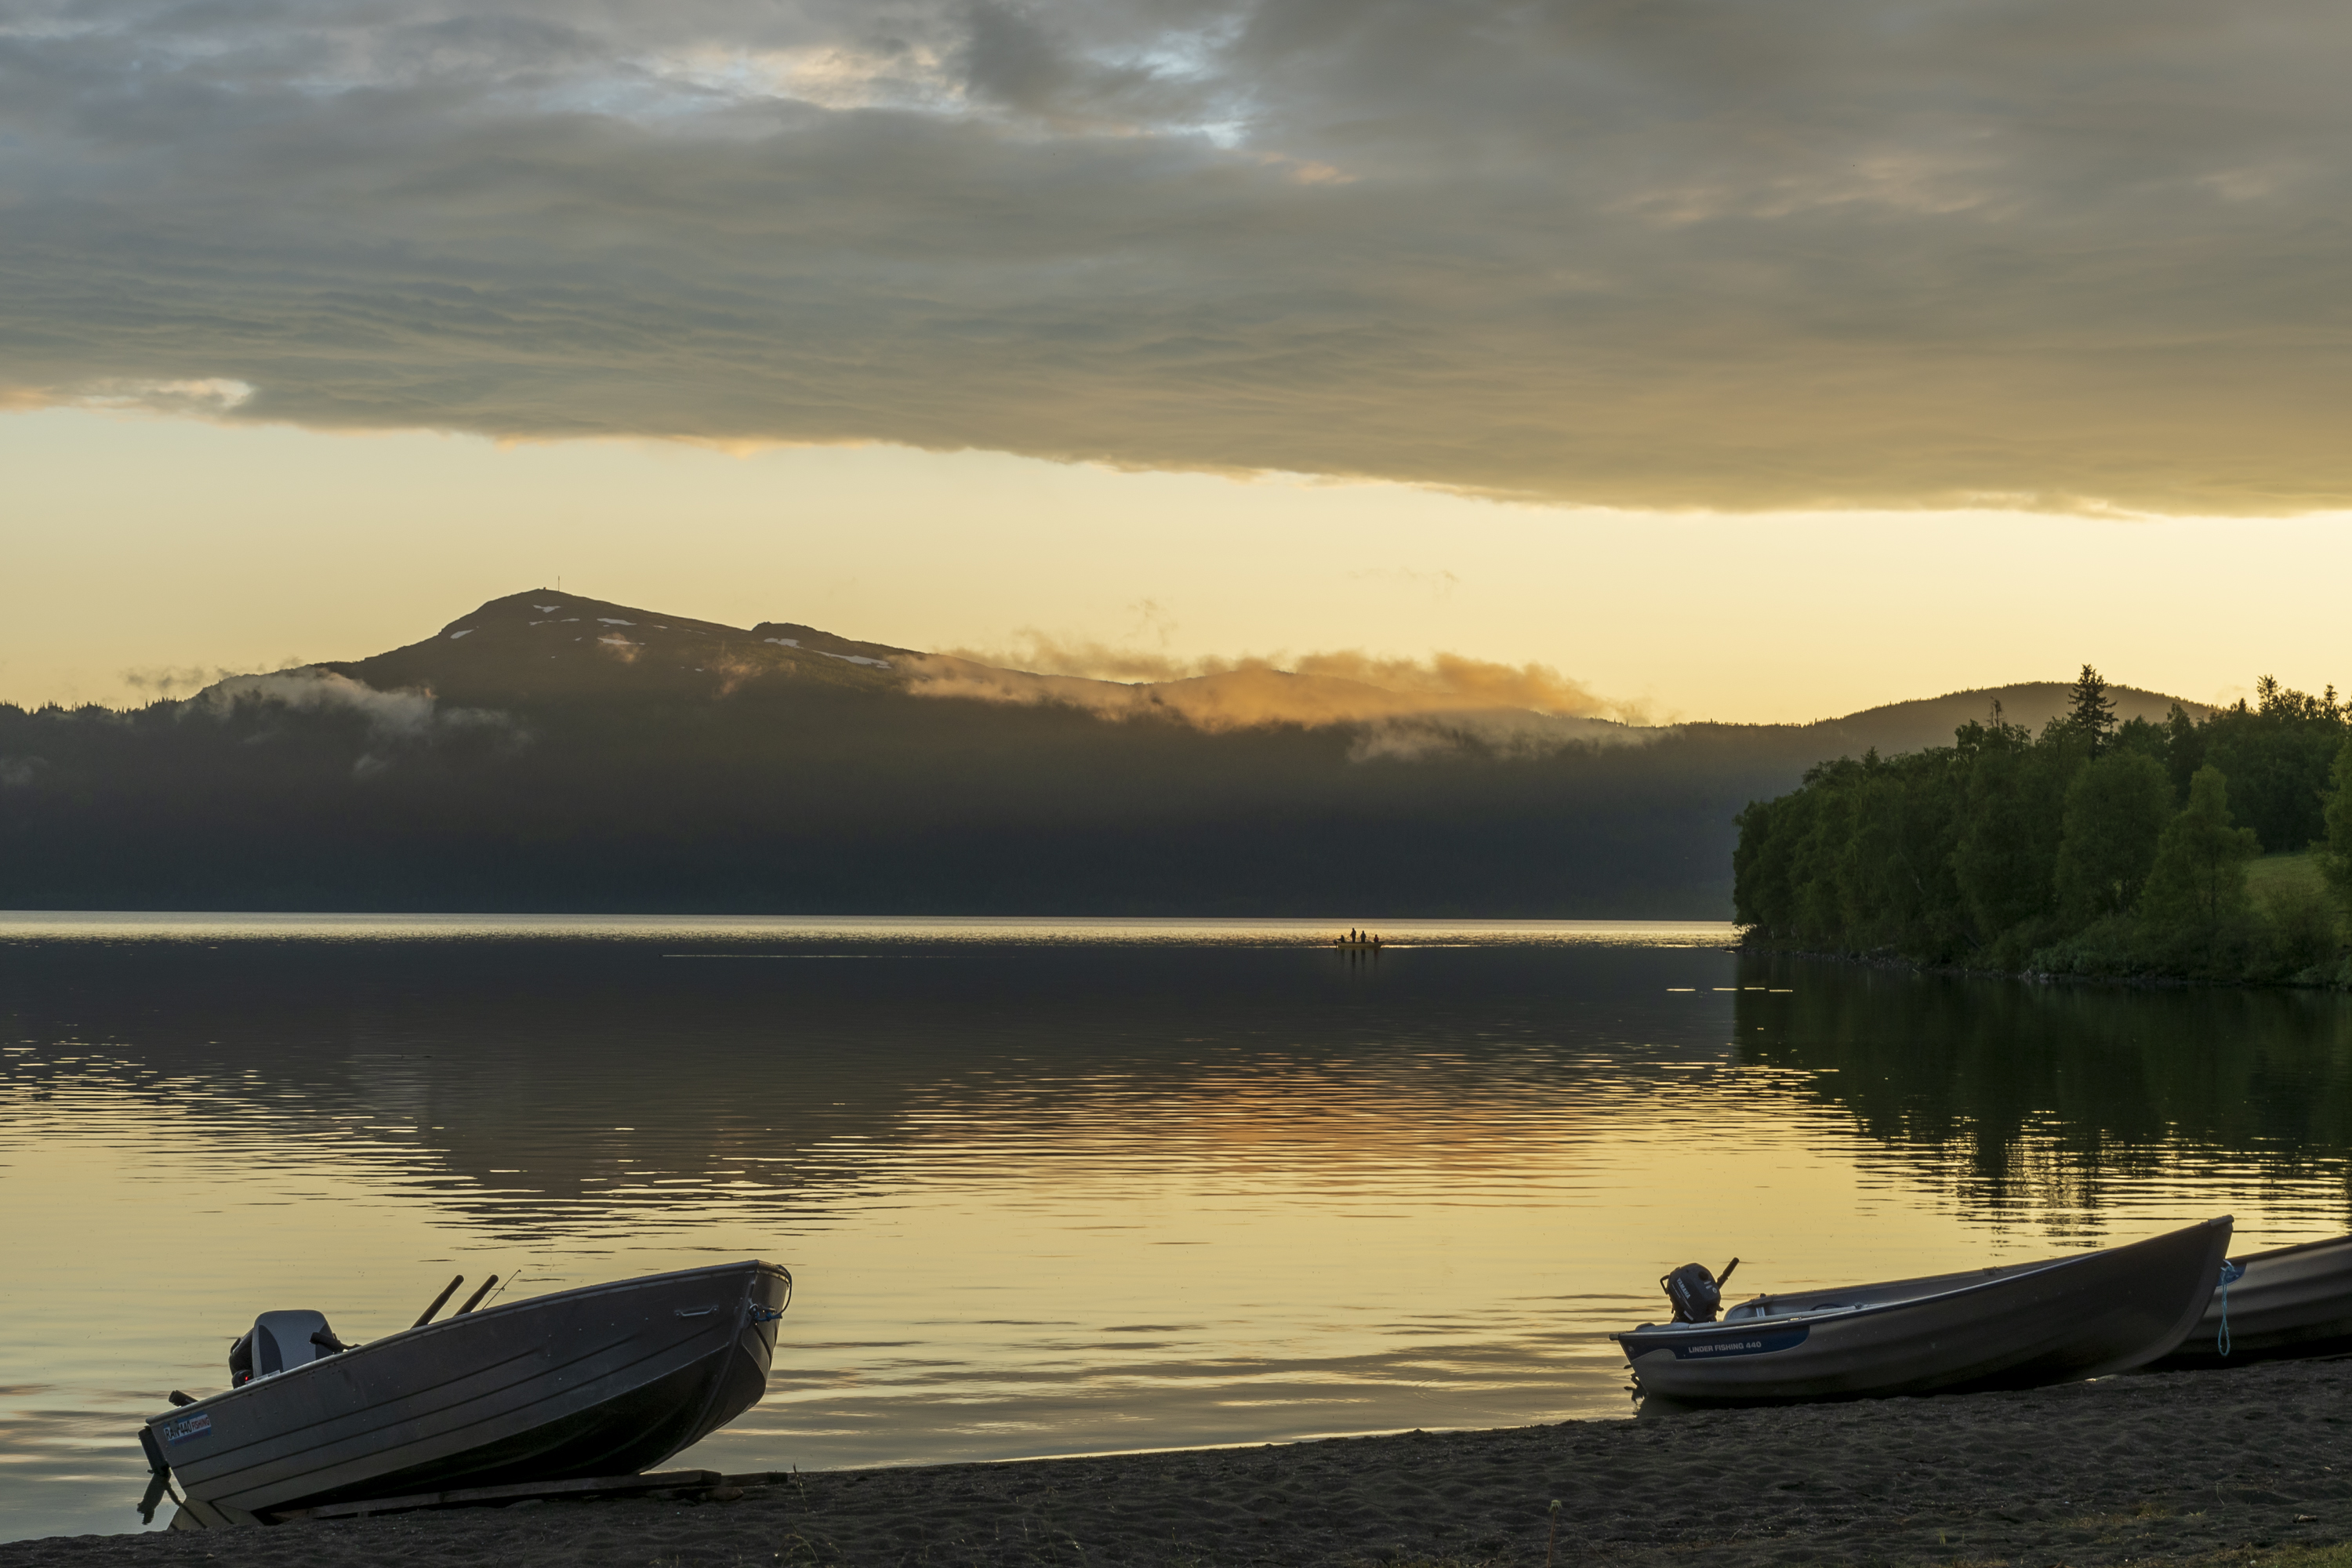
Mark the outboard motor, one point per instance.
(1697, 1295)
(280, 1341)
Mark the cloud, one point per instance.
(206, 397)
(1688, 252)
(1402, 708)
(395, 720)
(1443, 681)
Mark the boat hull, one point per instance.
(603, 1381)
(2080, 1317)
(2290, 1302)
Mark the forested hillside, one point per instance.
(548, 753)
(2094, 848)
(552, 752)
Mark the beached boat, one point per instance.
(603, 1381)
(2015, 1327)
(2288, 1301)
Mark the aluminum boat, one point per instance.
(602, 1380)
(2289, 1301)
(2016, 1327)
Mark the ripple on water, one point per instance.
(1054, 1187)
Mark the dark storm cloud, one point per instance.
(1685, 252)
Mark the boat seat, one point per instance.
(1782, 1307)
(281, 1341)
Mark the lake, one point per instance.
(1054, 1187)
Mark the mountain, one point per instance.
(1929, 721)
(548, 751)
(527, 648)
(531, 648)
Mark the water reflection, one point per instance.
(2065, 1102)
(1054, 1188)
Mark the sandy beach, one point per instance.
(2125, 1470)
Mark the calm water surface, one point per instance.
(1063, 1187)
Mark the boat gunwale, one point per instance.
(2292, 1248)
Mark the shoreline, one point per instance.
(1896, 962)
(2162, 1465)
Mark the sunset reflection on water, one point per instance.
(1053, 1187)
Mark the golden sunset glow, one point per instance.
(155, 555)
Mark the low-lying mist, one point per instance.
(1402, 708)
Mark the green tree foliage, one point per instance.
(2094, 848)
(2198, 881)
(2338, 817)
(2089, 712)
(2184, 750)
(2152, 741)
(2006, 850)
(2301, 915)
(2276, 755)
(1860, 858)
(2117, 810)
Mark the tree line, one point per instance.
(2095, 848)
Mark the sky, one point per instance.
(1729, 359)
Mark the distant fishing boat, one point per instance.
(2015, 1327)
(2288, 1301)
(1359, 939)
(602, 1380)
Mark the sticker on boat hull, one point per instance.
(1746, 1344)
(188, 1427)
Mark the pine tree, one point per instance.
(2184, 750)
(2090, 710)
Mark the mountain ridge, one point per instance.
(598, 635)
(582, 755)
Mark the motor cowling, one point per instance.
(1693, 1291)
(280, 1341)
(1697, 1295)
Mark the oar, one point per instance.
(1726, 1275)
(439, 1301)
(474, 1300)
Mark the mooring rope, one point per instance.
(2230, 1271)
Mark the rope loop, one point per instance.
(2230, 1272)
